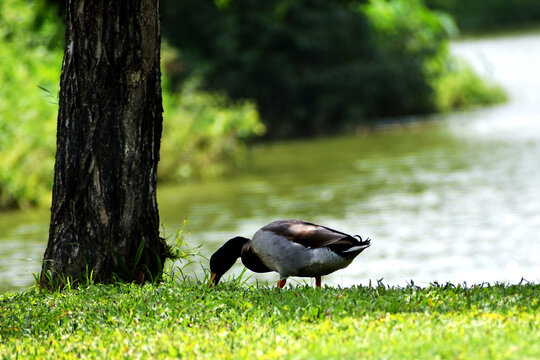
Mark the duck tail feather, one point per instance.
(366, 242)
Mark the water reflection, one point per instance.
(22, 243)
(453, 199)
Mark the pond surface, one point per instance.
(449, 198)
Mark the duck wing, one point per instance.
(315, 236)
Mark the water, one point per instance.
(452, 198)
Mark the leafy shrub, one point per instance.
(316, 66)
(31, 57)
(411, 45)
(204, 134)
(312, 66)
(303, 62)
(461, 88)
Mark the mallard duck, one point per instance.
(290, 248)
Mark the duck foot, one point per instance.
(281, 283)
(318, 282)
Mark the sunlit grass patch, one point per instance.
(194, 321)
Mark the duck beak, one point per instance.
(213, 280)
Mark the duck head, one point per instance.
(225, 257)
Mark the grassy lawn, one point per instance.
(258, 322)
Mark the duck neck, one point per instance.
(234, 246)
(225, 257)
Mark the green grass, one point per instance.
(260, 322)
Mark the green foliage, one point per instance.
(31, 57)
(193, 321)
(461, 88)
(303, 62)
(412, 46)
(204, 134)
(488, 15)
(316, 66)
(310, 66)
(415, 42)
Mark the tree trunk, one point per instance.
(104, 215)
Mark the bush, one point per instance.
(204, 134)
(31, 56)
(314, 66)
(407, 32)
(303, 62)
(461, 88)
(311, 66)
(412, 48)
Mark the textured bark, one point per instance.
(108, 138)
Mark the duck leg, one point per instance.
(318, 282)
(281, 283)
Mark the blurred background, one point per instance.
(414, 123)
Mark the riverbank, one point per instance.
(206, 134)
(179, 320)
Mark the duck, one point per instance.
(290, 248)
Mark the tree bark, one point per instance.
(104, 214)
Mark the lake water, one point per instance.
(450, 198)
